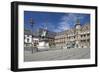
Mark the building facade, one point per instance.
(76, 37)
(35, 38)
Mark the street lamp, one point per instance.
(31, 22)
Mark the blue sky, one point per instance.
(54, 21)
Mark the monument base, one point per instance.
(43, 46)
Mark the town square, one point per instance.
(59, 37)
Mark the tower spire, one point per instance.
(77, 25)
(78, 21)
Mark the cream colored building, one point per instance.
(77, 37)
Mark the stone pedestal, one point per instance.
(43, 45)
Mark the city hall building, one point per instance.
(76, 37)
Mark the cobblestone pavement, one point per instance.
(62, 54)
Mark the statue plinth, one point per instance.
(43, 41)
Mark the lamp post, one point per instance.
(31, 22)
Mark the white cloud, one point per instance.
(68, 21)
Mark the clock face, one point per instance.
(78, 26)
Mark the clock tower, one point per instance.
(77, 25)
(77, 33)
